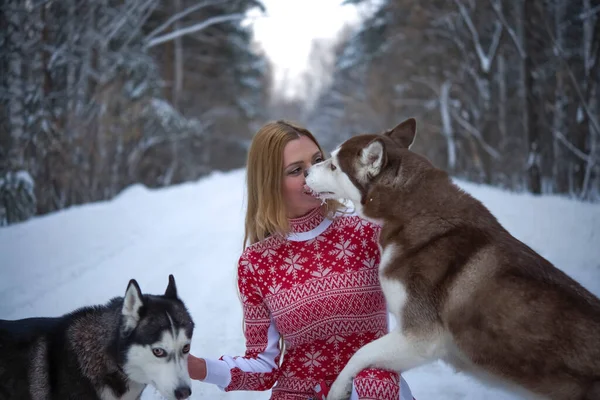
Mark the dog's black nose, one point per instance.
(305, 173)
(183, 392)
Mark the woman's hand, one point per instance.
(196, 367)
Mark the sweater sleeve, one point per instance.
(258, 368)
(379, 384)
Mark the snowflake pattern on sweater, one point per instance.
(319, 289)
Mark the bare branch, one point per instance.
(194, 28)
(125, 17)
(580, 154)
(582, 100)
(476, 134)
(138, 27)
(589, 13)
(510, 31)
(179, 16)
(426, 82)
(485, 60)
(142, 147)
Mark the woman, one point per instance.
(308, 282)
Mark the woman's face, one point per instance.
(298, 155)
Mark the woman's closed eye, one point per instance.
(295, 171)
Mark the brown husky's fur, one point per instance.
(462, 288)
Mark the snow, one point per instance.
(86, 255)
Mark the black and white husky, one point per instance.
(106, 352)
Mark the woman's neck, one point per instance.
(301, 214)
(307, 221)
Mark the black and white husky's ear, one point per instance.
(132, 305)
(373, 157)
(404, 133)
(171, 291)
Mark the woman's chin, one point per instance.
(315, 201)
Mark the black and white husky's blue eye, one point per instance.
(158, 352)
(186, 349)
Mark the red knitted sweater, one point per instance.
(319, 288)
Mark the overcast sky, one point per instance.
(287, 28)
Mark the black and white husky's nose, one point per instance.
(183, 392)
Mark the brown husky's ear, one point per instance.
(374, 157)
(404, 133)
(171, 291)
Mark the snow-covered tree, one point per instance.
(97, 95)
(506, 92)
(17, 197)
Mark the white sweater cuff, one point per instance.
(218, 372)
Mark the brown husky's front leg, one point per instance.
(393, 351)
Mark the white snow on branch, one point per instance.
(476, 134)
(179, 16)
(485, 60)
(126, 16)
(589, 13)
(511, 32)
(578, 153)
(447, 124)
(194, 28)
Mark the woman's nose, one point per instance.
(305, 173)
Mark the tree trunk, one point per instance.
(587, 141)
(530, 21)
(178, 61)
(447, 125)
(559, 172)
(16, 106)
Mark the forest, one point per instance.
(97, 95)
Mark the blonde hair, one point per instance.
(266, 212)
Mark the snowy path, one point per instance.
(86, 255)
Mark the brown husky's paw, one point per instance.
(340, 390)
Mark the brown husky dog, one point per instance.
(462, 288)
